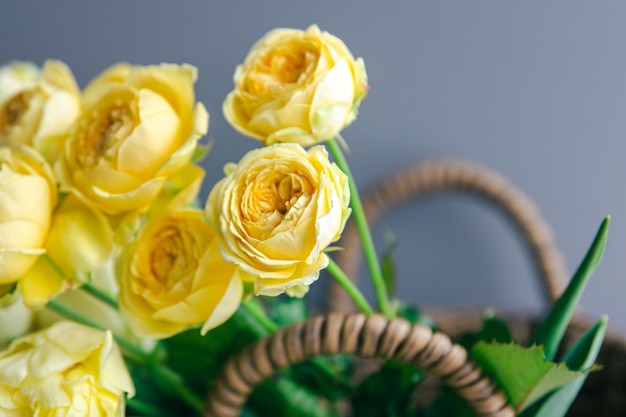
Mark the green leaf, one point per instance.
(150, 395)
(583, 353)
(448, 404)
(523, 374)
(328, 377)
(551, 331)
(199, 359)
(388, 392)
(281, 396)
(414, 315)
(581, 356)
(285, 310)
(492, 330)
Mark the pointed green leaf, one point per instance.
(583, 353)
(581, 356)
(522, 373)
(551, 331)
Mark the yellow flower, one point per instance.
(296, 86)
(172, 277)
(66, 370)
(79, 241)
(139, 125)
(27, 198)
(276, 212)
(89, 307)
(37, 106)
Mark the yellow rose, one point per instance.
(27, 198)
(173, 277)
(276, 212)
(79, 242)
(37, 106)
(90, 308)
(296, 86)
(65, 370)
(139, 125)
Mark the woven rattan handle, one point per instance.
(445, 175)
(357, 334)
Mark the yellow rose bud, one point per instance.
(65, 370)
(80, 240)
(276, 212)
(139, 125)
(296, 86)
(173, 277)
(27, 198)
(37, 106)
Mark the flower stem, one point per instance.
(100, 295)
(364, 232)
(349, 286)
(138, 353)
(144, 408)
(176, 385)
(253, 308)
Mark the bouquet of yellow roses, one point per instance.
(141, 295)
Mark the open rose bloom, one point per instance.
(172, 277)
(66, 370)
(276, 212)
(104, 183)
(138, 127)
(37, 105)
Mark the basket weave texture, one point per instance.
(604, 393)
(343, 331)
(367, 337)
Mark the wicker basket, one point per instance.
(604, 393)
(376, 337)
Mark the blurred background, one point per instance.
(536, 91)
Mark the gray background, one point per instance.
(536, 90)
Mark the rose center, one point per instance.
(13, 110)
(104, 132)
(168, 259)
(274, 200)
(281, 68)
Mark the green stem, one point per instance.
(364, 232)
(253, 308)
(176, 385)
(349, 286)
(144, 408)
(139, 354)
(100, 295)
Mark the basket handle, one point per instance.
(368, 336)
(446, 175)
